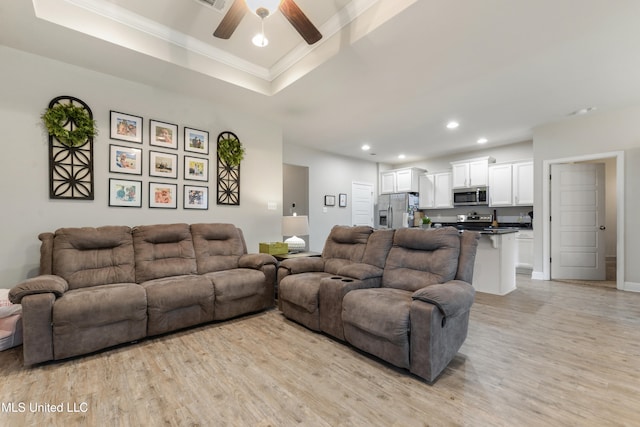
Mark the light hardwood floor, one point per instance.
(548, 354)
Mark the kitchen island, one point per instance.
(495, 267)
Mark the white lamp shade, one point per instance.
(297, 225)
(270, 5)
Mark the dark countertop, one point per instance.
(499, 230)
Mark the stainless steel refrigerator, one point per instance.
(397, 210)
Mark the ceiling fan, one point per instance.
(264, 8)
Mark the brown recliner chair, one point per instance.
(310, 290)
(418, 318)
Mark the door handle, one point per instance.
(602, 227)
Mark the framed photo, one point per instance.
(125, 193)
(196, 141)
(126, 127)
(163, 165)
(163, 195)
(163, 134)
(196, 168)
(329, 200)
(196, 197)
(125, 160)
(342, 200)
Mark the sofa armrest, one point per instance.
(303, 265)
(38, 285)
(451, 298)
(256, 261)
(361, 271)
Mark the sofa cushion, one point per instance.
(217, 246)
(235, 284)
(176, 302)
(421, 257)
(92, 318)
(93, 256)
(302, 289)
(163, 250)
(346, 242)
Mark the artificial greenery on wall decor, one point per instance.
(71, 128)
(230, 154)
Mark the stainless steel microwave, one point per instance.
(475, 196)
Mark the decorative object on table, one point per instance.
(163, 134)
(274, 248)
(426, 222)
(163, 195)
(69, 122)
(164, 165)
(294, 226)
(329, 200)
(125, 193)
(230, 153)
(196, 197)
(196, 141)
(126, 127)
(196, 168)
(125, 160)
(342, 200)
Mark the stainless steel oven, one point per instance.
(475, 196)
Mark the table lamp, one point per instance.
(295, 226)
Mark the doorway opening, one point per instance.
(616, 220)
(295, 193)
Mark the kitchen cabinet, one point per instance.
(511, 184)
(523, 183)
(494, 271)
(435, 191)
(524, 243)
(400, 180)
(500, 185)
(471, 173)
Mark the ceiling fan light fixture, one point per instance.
(260, 40)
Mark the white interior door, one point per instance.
(362, 203)
(577, 221)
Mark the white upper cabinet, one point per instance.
(523, 184)
(511, 184)
(471, 173)
(400, 180)
(500, 185)
(443, 194)
(427, 191)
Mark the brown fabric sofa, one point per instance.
(310, 290)
(413, 314)
(104, 286)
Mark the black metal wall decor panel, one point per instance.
(70, 167)
(228, 177)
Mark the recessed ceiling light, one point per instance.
(482, 140)
(365, 147)
(401, 156)
(582, 111)
(452, 124)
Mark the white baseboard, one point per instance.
(632, 286)
(537, 275)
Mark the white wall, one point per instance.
(29, 82)
(328, 174)
(603, 132)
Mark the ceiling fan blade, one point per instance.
(300, 22)
(231, 20)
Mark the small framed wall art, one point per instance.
(196, 197)
(163, 195)
(163, 165)
(125, 193)
(342, 200)
(125, 159)
(329, 200)
(196, 141)
(163, 134)
(126, 127)
(196, 168)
